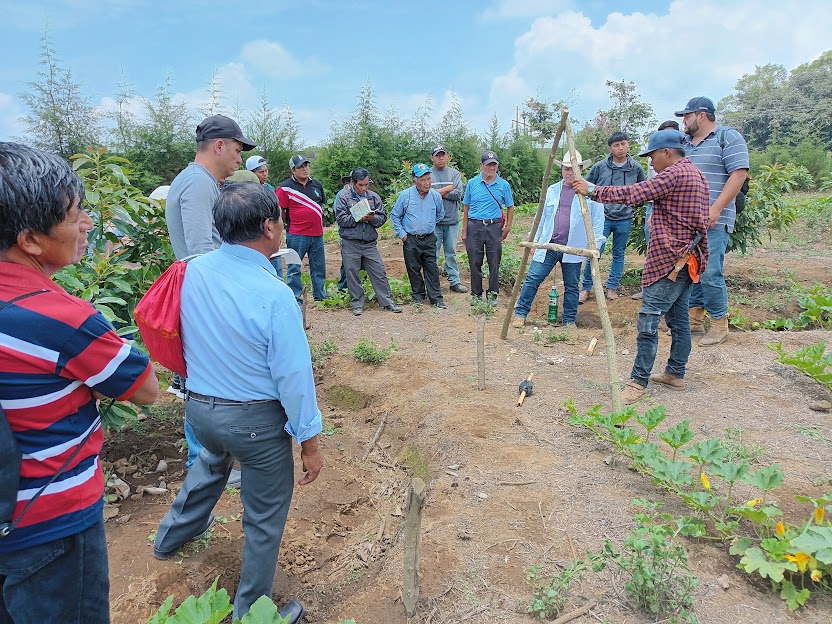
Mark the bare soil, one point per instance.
(508, 487)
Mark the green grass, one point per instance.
(416, 463)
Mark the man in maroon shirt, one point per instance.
(680, 211)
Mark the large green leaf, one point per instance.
(816, 541)
(653, 417)
(709, 451)
(730, 472)
(678, 435)
(766, 478)
(794, 599)
(755, 560)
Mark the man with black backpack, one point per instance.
(721, 155)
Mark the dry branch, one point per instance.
(568, 617)
(376, 436)
(412, 524)
(575, 251)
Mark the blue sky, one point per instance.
(314, 56)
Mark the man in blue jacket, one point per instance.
(561, 223)
(617, 169)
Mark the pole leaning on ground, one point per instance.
(521, 272)
(597, 286)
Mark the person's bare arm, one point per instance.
(313, 460)
(464, 221)
(729, 192)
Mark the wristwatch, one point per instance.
(590, 189)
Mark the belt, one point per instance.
(201, 398)
(420, 235)
(487, 221)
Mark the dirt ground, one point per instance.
(508, 487)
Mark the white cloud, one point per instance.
(272, 59)
(10, 114)
(698, 47)
(518, 9)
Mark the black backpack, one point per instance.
(739, 200)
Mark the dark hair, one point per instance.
(241, 209)
(710, 116)
(356, 175)
(36, 191)
(669, 124)
(679, 151)
(615, 137)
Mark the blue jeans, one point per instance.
(620, 231)
(62, 581)
(314, 247)
(647, 214)
(538, 272)
(446, 236)
(711, 292)
(671, 299)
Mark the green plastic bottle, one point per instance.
(553, 306)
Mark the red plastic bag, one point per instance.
(157, 317)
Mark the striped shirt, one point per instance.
(302, 206)
(55, 348)
(680, 210)
(718, 164)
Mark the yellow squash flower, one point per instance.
(817, 575)
(779, 529)
(754, 502)
(706, 482)
(819, 513)
(801, 559)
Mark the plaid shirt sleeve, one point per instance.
(636, 194)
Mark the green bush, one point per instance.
(368, 352)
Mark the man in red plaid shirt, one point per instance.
(680, 213)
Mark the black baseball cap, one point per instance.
(438, 149)
(222, 127)
(699, 104)
(489, 157)
(297, 161)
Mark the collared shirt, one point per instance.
(718, 164)
(414, 214)
(189, 212)
(243, 336)
(486, 201)
(302, 206)
(55, 349)
(358, 230)
(577, 229)
(446, 177)
(680, 210)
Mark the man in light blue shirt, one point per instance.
(417, 211)
(250, 388)
(483, 230)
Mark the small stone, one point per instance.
(820, 406)
(722, 581)
(608, 460)
(397, 511)
(625, 352)
(482, 495)
(162, 466)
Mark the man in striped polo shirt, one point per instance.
(721, 155)
(301, 197)
(58, 355)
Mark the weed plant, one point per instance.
(368, 352)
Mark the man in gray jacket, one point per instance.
(617, 169)
(358, 242)
(448, 183)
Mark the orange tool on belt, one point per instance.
(688, 259)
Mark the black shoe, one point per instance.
(491, 298)
(459, 288)
(357, 311)
(393, 308)
(170, 554)
(418, 302)
(441, 305)
(292, 610)
(476, 299)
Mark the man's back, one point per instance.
(188, 212)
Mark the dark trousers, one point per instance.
(484, 241)
(61, 581)
(419, 258)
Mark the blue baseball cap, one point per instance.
(699, 104)
(672, 139)
(420, 169)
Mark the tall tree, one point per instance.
(62, 119)
(125, 120)
(214, 104)
(758, 106)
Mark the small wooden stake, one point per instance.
(305, 301)
(481, 353)
(522, 396)
(591, 348)
(412, 524)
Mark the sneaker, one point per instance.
(418, 302)
(357, 311)
(475, 299)
(441, 305)
(583, 297)
(519, 322)
(393, 308)
(459, 288)
(612, 294)
(568, 324)
(292, 612)
(638, 295)
(170, 554)
(491, 298)
(633, 393)
(666, 379)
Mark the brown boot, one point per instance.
(632, 393)
(666, 379)
(716, 334)
(697, 320)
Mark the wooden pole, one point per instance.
(575, 251)
(597, 285)
(307, 324)
(521, 272)
(412, 524)
(481, 353)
